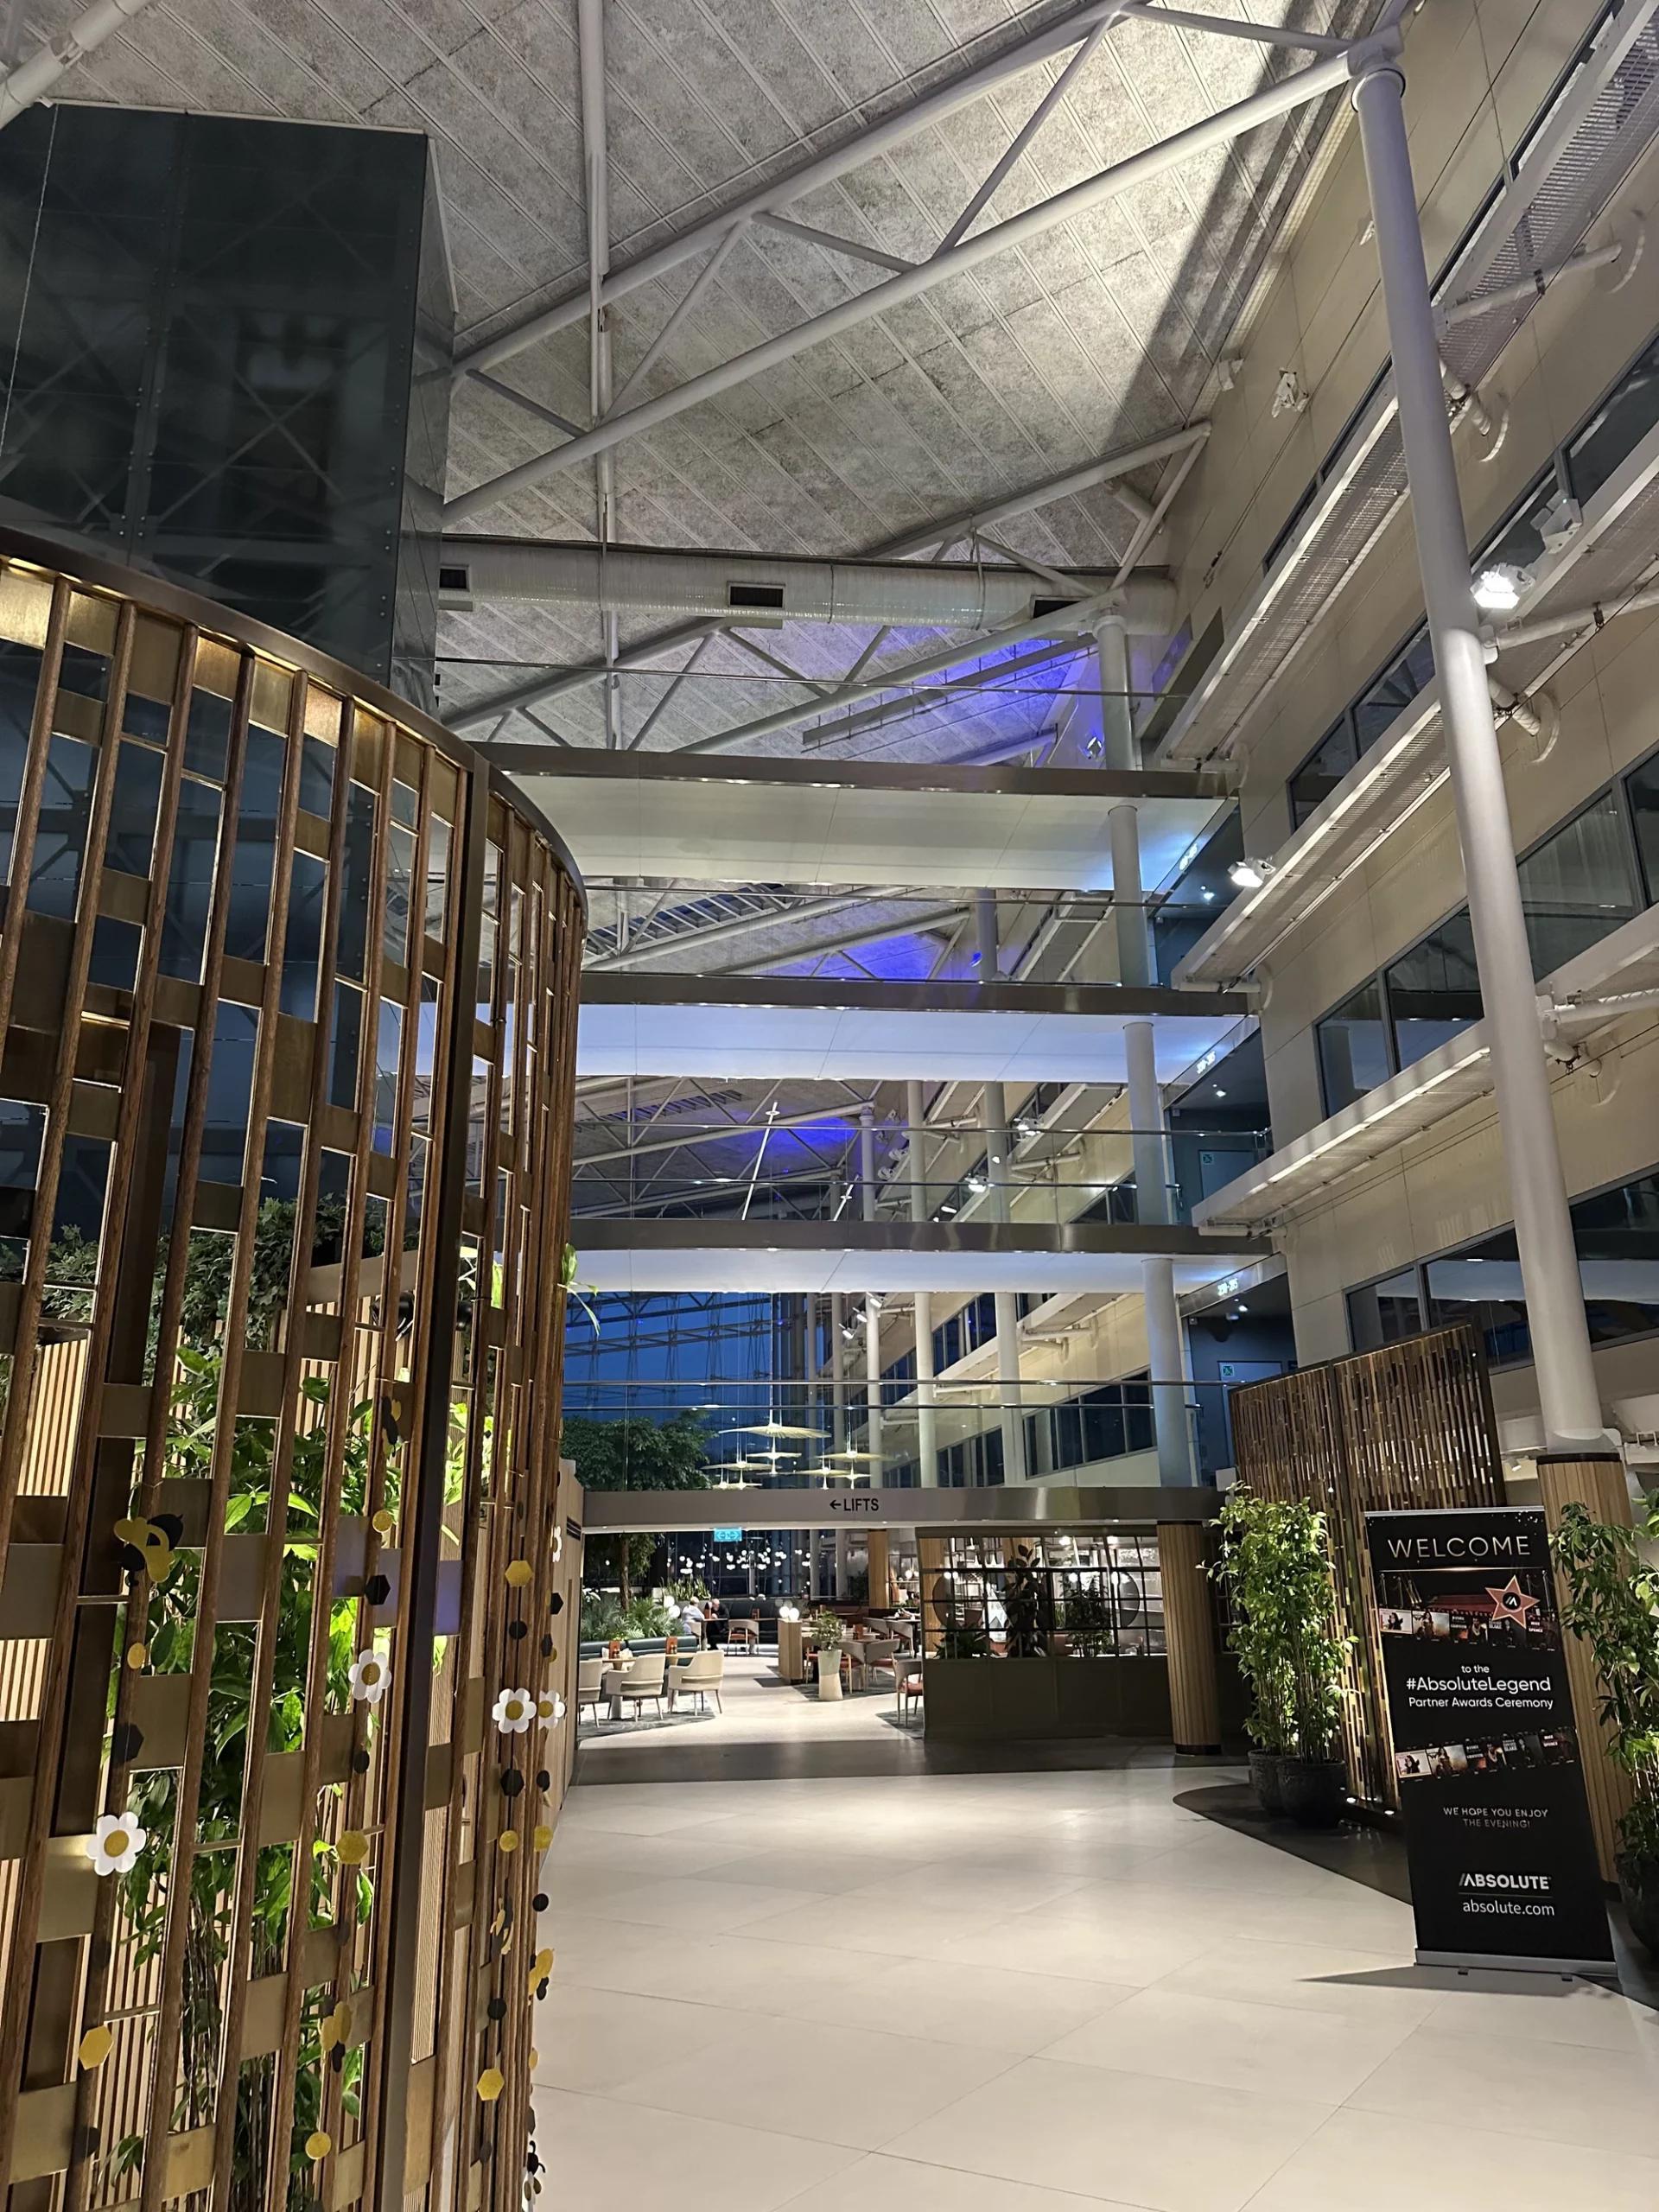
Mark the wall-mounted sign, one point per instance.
(726, 1535)
(1502, 1858)
(860, 1505)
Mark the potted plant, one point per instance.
(1022, 1606)
(1612, 1603)
(826, 1635)
(1314, 1780)
(1248, 1568)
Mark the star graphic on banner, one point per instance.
(1512, 1601)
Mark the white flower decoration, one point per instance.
(370, 1674)
(513, 1711)
(549, 1707)
(115, 1845)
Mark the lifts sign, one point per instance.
(1485, 1752)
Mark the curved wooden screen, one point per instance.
(287, 997)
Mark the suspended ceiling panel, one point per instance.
(862, 822)
(767, 1028)
(798, 1256)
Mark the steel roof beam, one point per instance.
(1296, 91)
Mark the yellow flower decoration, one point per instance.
(318, 2145)
(544, 1836)
(138, 1655)
(383, 1522)
(336, 2027)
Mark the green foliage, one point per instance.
(1276, 1564)
(603, 1616)
(963, 1640)
(170, 1630)
(1022, 1607)
(826, 1629)
(631, 1454)
(1613, 1602)
(1088, 1621)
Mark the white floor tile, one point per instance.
(1365, 2162)
(1564, 2093)
(1281, 2049)
(600, 2152)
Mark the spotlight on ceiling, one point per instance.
(1498, 588)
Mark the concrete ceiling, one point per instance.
(1098, 335)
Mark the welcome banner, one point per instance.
(1503, 1860)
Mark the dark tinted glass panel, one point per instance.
(20, 670)
(1382, 1312)
(1519, 545)
(1322, 770)
(230, 1093)
(1617, 429)
(1617, 1234)
(190, 881)
(1576, 887)
(21, 1130)
(1433, 992)
(61, 834)
(303, 945)
(1643, 789)
(131, 844)
(343, 1044)
(146, 718)
(255, 857)
(86, 674)
(359, 871)
(1353, 1048)
(116, 947)
(1396, 688)
(1484, 1286)
(208, 736)
(317, 776)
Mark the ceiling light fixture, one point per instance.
(1250, 875)
(1498, 588)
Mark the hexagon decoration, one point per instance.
(518, 1572)
(94, 2047)
(353, 1848)
(491, 2082)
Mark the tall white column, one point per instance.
(1568, 1398)
(1117, 708)
(872, 1380)
(927, 1443)
(837, 1371)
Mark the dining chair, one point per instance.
(589, 1674)
(907, 1685)
(880, 1653)
(746, 1632)
(643, 1679)
(700, 1679)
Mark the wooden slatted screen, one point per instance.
(287, 988)
(1408, 1425)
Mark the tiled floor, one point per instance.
(1034, 1992)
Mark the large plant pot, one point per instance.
(1638, 1883)
(1314, 1791)
(828, 1673)
(1264, 1780)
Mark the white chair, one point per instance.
(701, 1678)
(590, 1674)
(643, 1679)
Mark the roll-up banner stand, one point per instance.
(1503, 1859)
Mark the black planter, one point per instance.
(1264, 1780)
(1314, 1791)
(1638, 1883)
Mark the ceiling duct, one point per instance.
(904, 594)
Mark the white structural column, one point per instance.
(998, 1149)
(872, 1302)
(927, 1442)
(837, 1371)
(1165, 1338)
(1568, 1398)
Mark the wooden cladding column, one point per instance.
(880, 1591)
(1599, 1483)
(1189, 1637)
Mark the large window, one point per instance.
(1617, 1236)
(1577, 886)
(1103, 1424)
